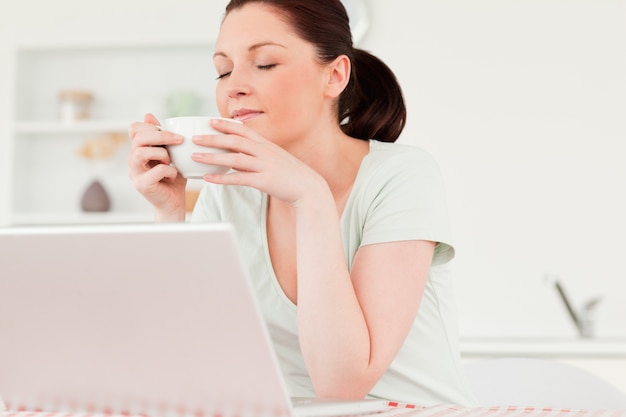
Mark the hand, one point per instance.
(150, 170)
(258, 163)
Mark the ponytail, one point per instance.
(372, 106)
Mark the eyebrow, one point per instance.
(252, 48)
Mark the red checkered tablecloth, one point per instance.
(406, 410)
(455, 411)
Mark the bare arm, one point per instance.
(351, 326)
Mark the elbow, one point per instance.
(345, 392)
(347, 385)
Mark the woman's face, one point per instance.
(268, 76)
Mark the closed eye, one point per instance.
(261, 67)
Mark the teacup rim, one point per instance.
(203, 117)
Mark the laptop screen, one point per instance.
(152, 319)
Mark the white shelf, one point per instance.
(87, 126)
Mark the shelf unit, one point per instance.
(48, 174)
(81, 127)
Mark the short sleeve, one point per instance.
(406, 200)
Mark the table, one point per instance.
(405, 410)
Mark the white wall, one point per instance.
(521, 101)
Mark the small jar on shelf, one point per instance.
(74, 105)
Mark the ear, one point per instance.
(338, 76)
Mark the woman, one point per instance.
(346, 237)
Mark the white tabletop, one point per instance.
(543, 347)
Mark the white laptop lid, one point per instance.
(151, 319)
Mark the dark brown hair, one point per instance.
(372, 105)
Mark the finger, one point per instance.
(146, 134)
(161, 173)
(236, 178)
(234, 128)
(148, 181)
(233, 143)
(145, 157)
(137, 128)
(235, 160)
(151, 119)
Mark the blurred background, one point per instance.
(522, 102)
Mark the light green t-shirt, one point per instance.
(398, 195)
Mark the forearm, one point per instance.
(333, 333)
(173, 211)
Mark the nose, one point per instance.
(238, 85)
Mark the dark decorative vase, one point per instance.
(95, 198)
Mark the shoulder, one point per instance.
(399, 162)
(393, 173)
(399, 156)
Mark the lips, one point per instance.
(245, 114)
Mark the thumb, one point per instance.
(150, 118)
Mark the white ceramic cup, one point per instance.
(188, 127)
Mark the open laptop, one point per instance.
(156, 320)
